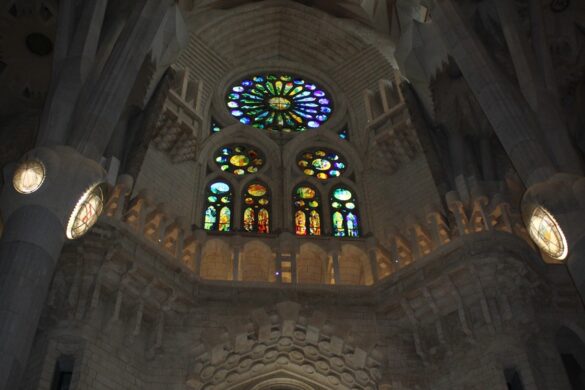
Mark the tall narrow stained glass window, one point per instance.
(307, 211)
(217, 215)
(256, 209)
(344, 213)
(279, 102)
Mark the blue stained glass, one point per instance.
(219, 187)
(343, 134)
(215, 127)
(352, 225)
(279, 102)
(344, 216)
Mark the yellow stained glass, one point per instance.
(239, 160)
(547, 234)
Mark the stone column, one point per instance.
(33, 238)
(514, 123)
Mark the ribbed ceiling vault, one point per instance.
(285, 30)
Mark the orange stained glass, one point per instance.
(300, 223)
(257, 190)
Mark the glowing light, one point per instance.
(328, 164)
(279, 102)
(86, 212)
(547, 233)
(29, 177)
(239, 159)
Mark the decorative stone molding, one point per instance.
(392, 136)
(283, 340)
(179, 125)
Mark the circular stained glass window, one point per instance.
(29, 176)
(321, 163)
(239, 160)
(547, 234)
(86, 212)
(279, 102)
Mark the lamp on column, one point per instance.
(86, 212)
(29, 176)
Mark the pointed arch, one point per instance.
(345, 221)
(256, 208)
(307, 210)
(218, 210)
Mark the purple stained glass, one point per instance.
(279, 102)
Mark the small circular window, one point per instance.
(321, 163)
(279, 102)
(239, 159)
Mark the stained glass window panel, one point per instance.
(344, 213)
(215, 127)
(321, 163)
(239, 160)
(307, 211)
(256, 216)
(279, 102)
(218, 209)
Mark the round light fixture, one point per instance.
(86, 212)
(29, 176)
(547, 233)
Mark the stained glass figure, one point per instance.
(256, 203)
(215, 127)
(307, 211)
(279, 102)
(218, 213)
(239, 159)
(344, 214)
(321, 163)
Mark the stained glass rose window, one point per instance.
(279, 102)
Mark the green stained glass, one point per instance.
(344, 213)
(279, 102)
(239, 159)
(213, 219)
(325, 162)
(307, 211)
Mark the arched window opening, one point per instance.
(256, 209)
(307, 211)
(217, 215)
(344, 213)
